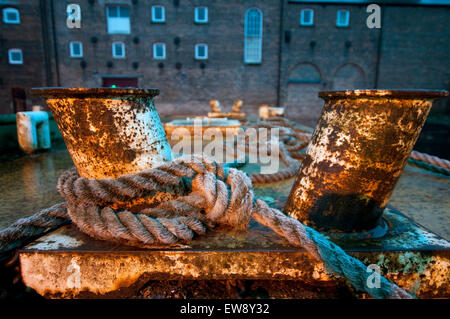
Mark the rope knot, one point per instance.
(216, 196)
(228, 202)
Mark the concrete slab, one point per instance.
(69, 264)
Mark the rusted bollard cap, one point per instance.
(394, 94)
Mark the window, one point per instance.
(118, 20)
(159, 51)
(307, 17)
(158, 14)
(15, 56)
(253, 36)
(343, 18)
(201, 51)
(11, 16)
(118, 50)
(201, 15)
(76, 50)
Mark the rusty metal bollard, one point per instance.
(357, 153)
(109, 131)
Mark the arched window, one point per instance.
(253, 36)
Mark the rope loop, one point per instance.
(216, 196)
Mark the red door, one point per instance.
(120, 82)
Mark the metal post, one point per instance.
(357, 153)
(109, 131)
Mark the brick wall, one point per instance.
(26, 36)
(416, 50)
(187, 90)
(324, 57)
(411, 51)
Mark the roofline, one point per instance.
(423, 3)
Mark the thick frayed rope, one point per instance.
(24, 230)
(216, 197)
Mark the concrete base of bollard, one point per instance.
(69, 264)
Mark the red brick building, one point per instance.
(263, 52)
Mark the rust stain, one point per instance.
(109, 132)
(358, 151)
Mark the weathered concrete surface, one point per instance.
(69, 264)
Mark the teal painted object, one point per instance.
(8, 134)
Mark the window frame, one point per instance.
(5, 15)
(110, 22)
(198, 57)
(196, 15)
(72, 55)
(260, 36)
(153, 18)
(347, 24)
(10, 61)
(302, 18)
(155, 57)
(114, 50)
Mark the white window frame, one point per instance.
(199, 57)
(196, 15)
(113, 22)
(302, 17)
(114, 50)
(72, 53)
(10, 60)
(11, 10)
(256, 38)
(155, 50)
(163, 14)
(347, 18)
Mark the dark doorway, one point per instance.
(120, 82)
(19, 98)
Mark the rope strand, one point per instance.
(216, 197)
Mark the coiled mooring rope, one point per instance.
(285, 156)
(430, 162)
(216, 197)
(25, 230)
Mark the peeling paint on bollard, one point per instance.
(358, 151)
(109, 131)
